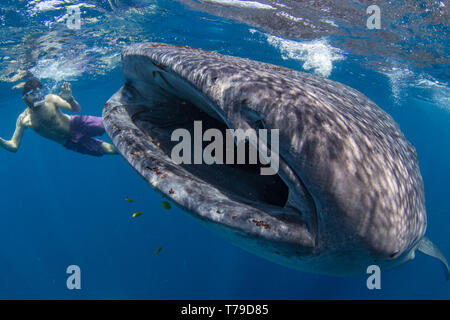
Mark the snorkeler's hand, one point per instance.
(66, 91)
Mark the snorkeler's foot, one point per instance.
(108, 148)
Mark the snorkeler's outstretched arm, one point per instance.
(65, 99)
(13, 144)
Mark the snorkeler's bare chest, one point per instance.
(48, 116)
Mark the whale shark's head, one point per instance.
(346, 191)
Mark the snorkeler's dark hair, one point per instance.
(31, 85)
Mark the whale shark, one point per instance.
(348, 192)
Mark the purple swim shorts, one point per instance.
(82, 131)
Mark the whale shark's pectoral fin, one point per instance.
(429, 248)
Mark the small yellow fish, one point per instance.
(137, 214)
(166, 205)
(129, 200)
(159, 250)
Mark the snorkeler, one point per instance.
(44, 117)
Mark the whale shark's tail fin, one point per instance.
(429, 248)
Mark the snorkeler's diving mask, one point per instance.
(35, 96)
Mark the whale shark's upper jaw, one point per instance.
(326, 210)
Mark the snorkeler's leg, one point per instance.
(108, 148)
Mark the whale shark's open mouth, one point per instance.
(169, 108)
(141, 119)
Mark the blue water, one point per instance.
(59, 208)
